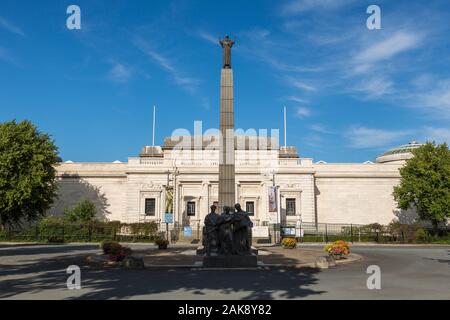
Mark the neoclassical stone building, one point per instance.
(273, 183)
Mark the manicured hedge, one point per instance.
(58, 230)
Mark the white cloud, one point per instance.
(389, 47)
(297, 99)
(320, 128)
(11, 27)
(302, 85)
(363, 137)
(303, 112)
(438, 135)
(313, 140)
(375, 87)
(436, 101)
(299, 6)
(120, 73)
(208, 37)
(186, 82)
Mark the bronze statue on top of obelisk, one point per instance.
(226, 161)
(226, 44)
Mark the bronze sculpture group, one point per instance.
(228, 233)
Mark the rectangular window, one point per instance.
(250, 208)
(150, 207)
(190, 209)
(290, 207)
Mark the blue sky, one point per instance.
(350, 92)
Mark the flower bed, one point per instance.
(338, 249)
(115, 250)
(289, 243)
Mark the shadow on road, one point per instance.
(32, 276)
(14, 250)
(441, 260)
(36, 276)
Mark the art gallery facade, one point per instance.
(274, 184)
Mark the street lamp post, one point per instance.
(175, 193)
(277, 222)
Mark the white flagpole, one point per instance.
(154, 124)
(285, 138)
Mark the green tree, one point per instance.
(27, 173)
(425, 183)
(84, 211)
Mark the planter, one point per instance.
(337, 256)
(162, 246)
(287, 247)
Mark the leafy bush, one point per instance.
(374, 227)
(55, 239)
(51, 228)
(85, 210)
(110, 246)
(145, 228)
(338, 248)
(289, 243)
(402, 232)
(161, 242)
(422, 236)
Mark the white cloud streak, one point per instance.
(303, 112)
(435, 101)
(300, 6)
(302, 85)
(438, 135)
(188, 83)
(386, 49)
(375, 87)
(120, 73)
(11, 27)
(363, 137)
(208, 37)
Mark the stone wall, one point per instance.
(102, 183)
(356, 193)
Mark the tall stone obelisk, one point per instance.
(226, 161)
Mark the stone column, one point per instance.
(226, 162)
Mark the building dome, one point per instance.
(399, 154)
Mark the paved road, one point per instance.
(38, 272)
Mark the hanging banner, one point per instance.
(273, 199)
(169, 200)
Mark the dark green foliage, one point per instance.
(425, 183)
(84, 211)
(27, 174)
(422, 236)
(145, 228)
(92, 231)
(405, 233)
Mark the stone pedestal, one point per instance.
(202, 251)
(227, 195)
(244, 261)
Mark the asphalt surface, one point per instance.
(39, 272)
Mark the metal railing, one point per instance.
(74, 232)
